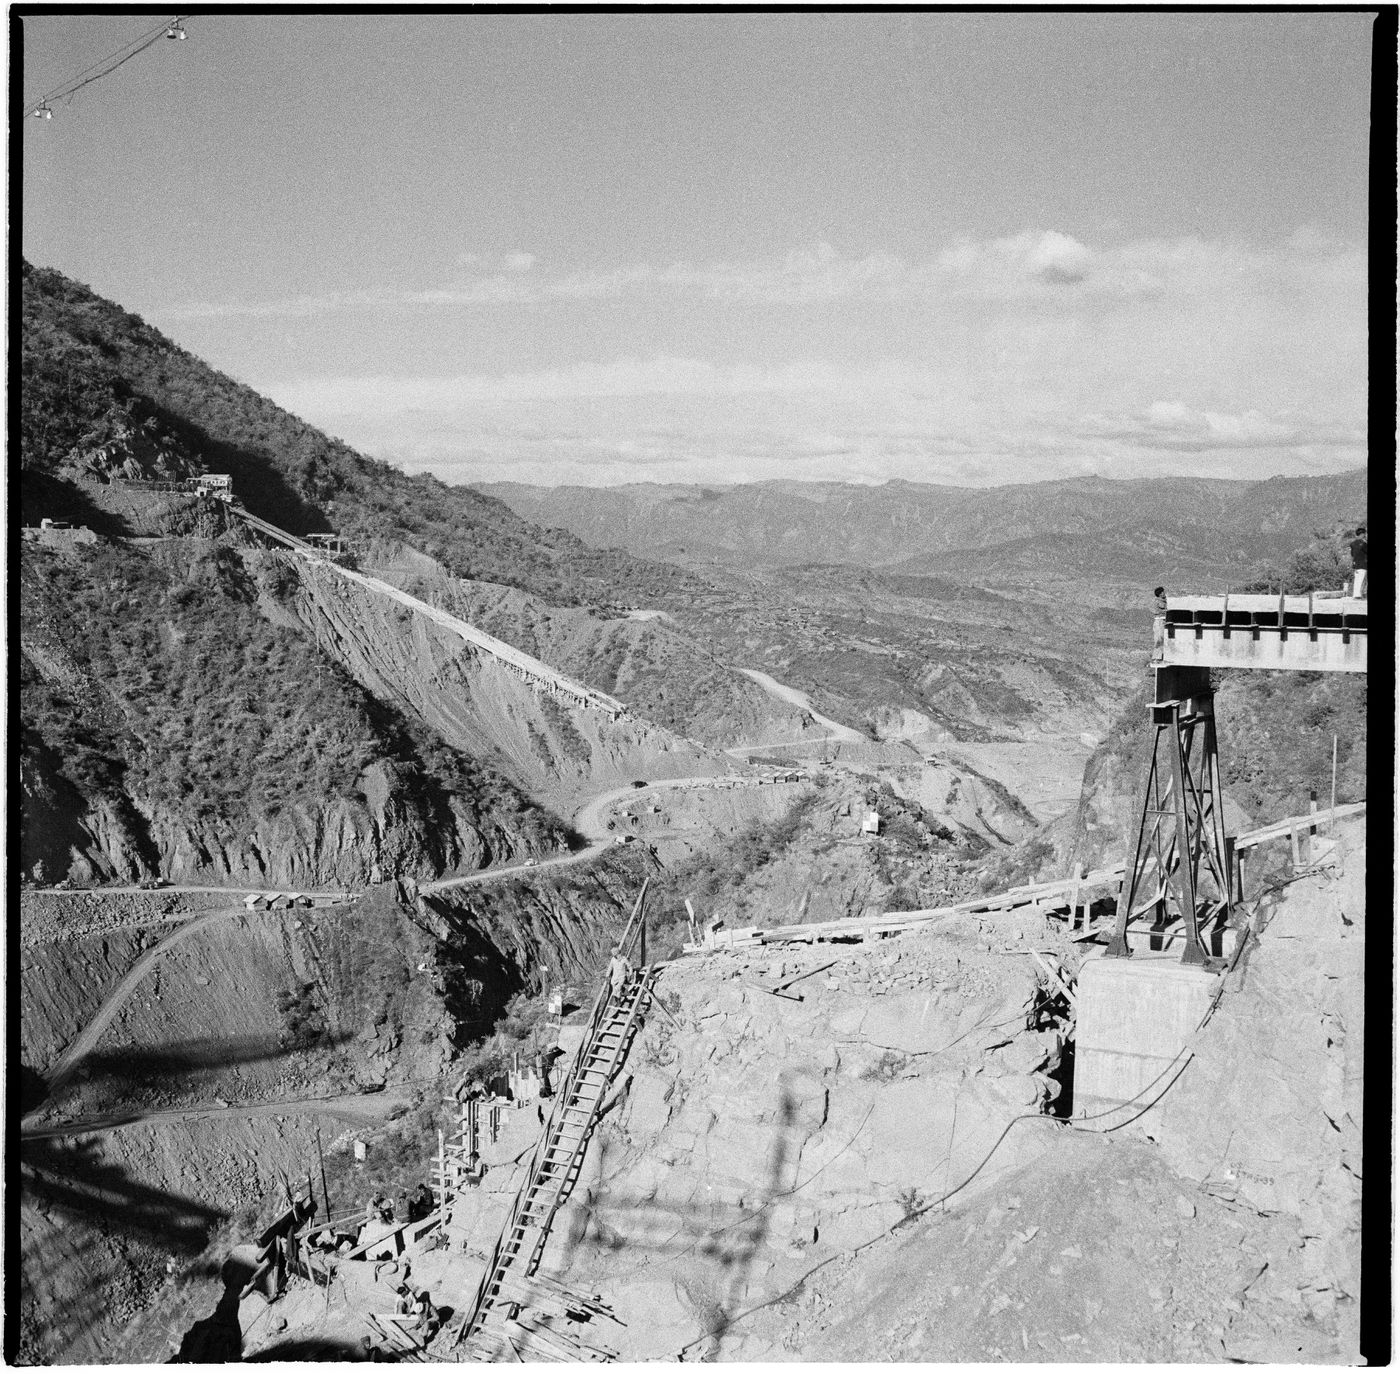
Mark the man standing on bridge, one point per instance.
(1358, 562)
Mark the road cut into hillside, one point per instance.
(793, 697)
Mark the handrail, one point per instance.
(567, 1090)
(1031, 892)
(547, 1141)
(639, 990)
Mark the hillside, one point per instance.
(171, 727)
(95, 376)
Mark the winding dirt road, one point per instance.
(588, 821)
(356, 1108)
(115, 1000)
(803, 702)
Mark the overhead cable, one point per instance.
(172, 28)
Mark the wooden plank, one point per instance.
(386, 1237)
(1053, 975)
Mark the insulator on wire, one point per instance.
(176, 30)
(43, 112)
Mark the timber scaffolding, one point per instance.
(530, 670)
(515, 1314)
(1071, 898)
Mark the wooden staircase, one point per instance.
(558, 1159)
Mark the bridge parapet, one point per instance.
(1318, 632)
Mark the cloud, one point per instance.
(1174, 425)
(679, 419)
(1049, 267)
(661, 375)
(497, 262)
(1006, 356)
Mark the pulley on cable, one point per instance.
(43, 112)
(176, 29)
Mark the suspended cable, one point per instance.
(42, 108)
(102, 61)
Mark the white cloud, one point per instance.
(676, 419)
(1175, 425)
(1006, 356)
(1048, 267)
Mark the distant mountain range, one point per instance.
(1084, 526)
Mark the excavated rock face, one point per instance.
(1270, 1113)
(498, 938)
(558, 752)
(1230, 1235)
(761, 1134)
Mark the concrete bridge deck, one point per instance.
(1319, 632)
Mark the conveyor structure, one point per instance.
(525, 667)
(1183, 867)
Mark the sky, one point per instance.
(966, 248)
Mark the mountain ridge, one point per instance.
(1216, 523)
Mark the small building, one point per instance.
(870, 823)
(255, 901)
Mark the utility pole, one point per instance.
(1332, 821)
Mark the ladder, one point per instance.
(558, 1159)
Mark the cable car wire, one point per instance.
(172, 28)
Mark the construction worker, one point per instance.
(1159, 623)
(619, 970)
(425, 1328)
(420, 1204)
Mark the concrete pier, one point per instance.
(1135, 1016)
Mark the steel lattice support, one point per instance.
(1182, 866)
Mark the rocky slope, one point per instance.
(760, 1135)
(221, 1054)
(846, 1178)
(172, 727)
(558, 752)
